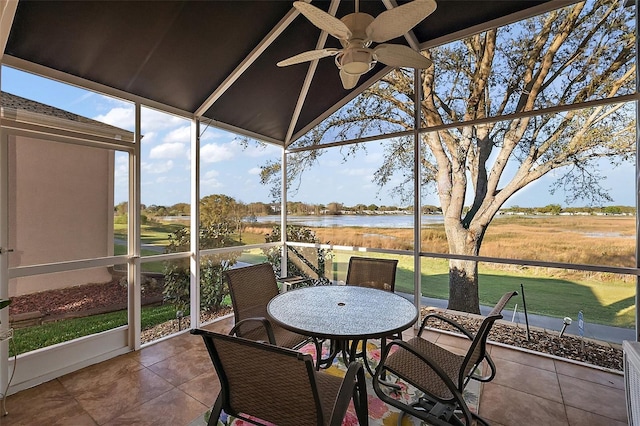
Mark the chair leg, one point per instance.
(318, 344)
(215, 411)
(360, 401)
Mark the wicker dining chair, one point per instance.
(279, 385)
(251, 288)
(439, 373)
(372, 273)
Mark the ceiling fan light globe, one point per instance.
(356, 61)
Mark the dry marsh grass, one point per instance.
(592, 240)
(589, 240)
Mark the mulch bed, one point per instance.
(600, 354)
(89, 299)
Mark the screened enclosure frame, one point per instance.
(134, 260)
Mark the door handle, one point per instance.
(5, 250)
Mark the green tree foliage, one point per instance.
(121, 209)
(222, 212)
(554, 209)
(218, 224)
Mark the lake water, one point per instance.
(364, 221)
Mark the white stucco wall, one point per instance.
(60, 209)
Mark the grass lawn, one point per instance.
(40, 336)
(601, 301)
(156, 234)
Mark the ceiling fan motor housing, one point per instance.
(356, 59)
(357, 24)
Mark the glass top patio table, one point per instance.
(342, 312)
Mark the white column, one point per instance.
(283, 216)
(4, 254)
(637, 2)
(194, 264)
(417, 191)
(133, 274)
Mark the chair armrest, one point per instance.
(470, 336)
(492, 368)
(262, 320)
(449, 321)
(353, 380)
(426, 359)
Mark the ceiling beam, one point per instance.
(304, 91)
(250, 59)
(7, 12)
(85, 84)
(342, 102)
(499, 22)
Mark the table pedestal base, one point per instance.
(348, 349)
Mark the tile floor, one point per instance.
(173, 383)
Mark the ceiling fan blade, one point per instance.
(323, 20)
(395, 22)
(307, 56)
(397, 55)
(349, 81)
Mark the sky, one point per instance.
(227, 168)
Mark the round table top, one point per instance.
(342, 312)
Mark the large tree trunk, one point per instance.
(463, 286)
(463, 274)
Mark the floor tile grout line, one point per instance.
(591, 412)
(73, 396)
(513, 387)
(612, 386)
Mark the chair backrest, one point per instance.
(251, 288)
(502, 302)
(374, 273)
(254, 375)
(478, 348)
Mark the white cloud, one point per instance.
(168, 150)
(212, 153)
(211, 174)
(210, 133)
(181, 134)
(255, 171)
(154, 121)
(121, 168)
(157, 167)
(356, 171)
(210, 181)
(261, 151)
(122, 117)
(149, 138)
(184, 183)
(374, 157)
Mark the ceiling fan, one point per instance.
(357, 31)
